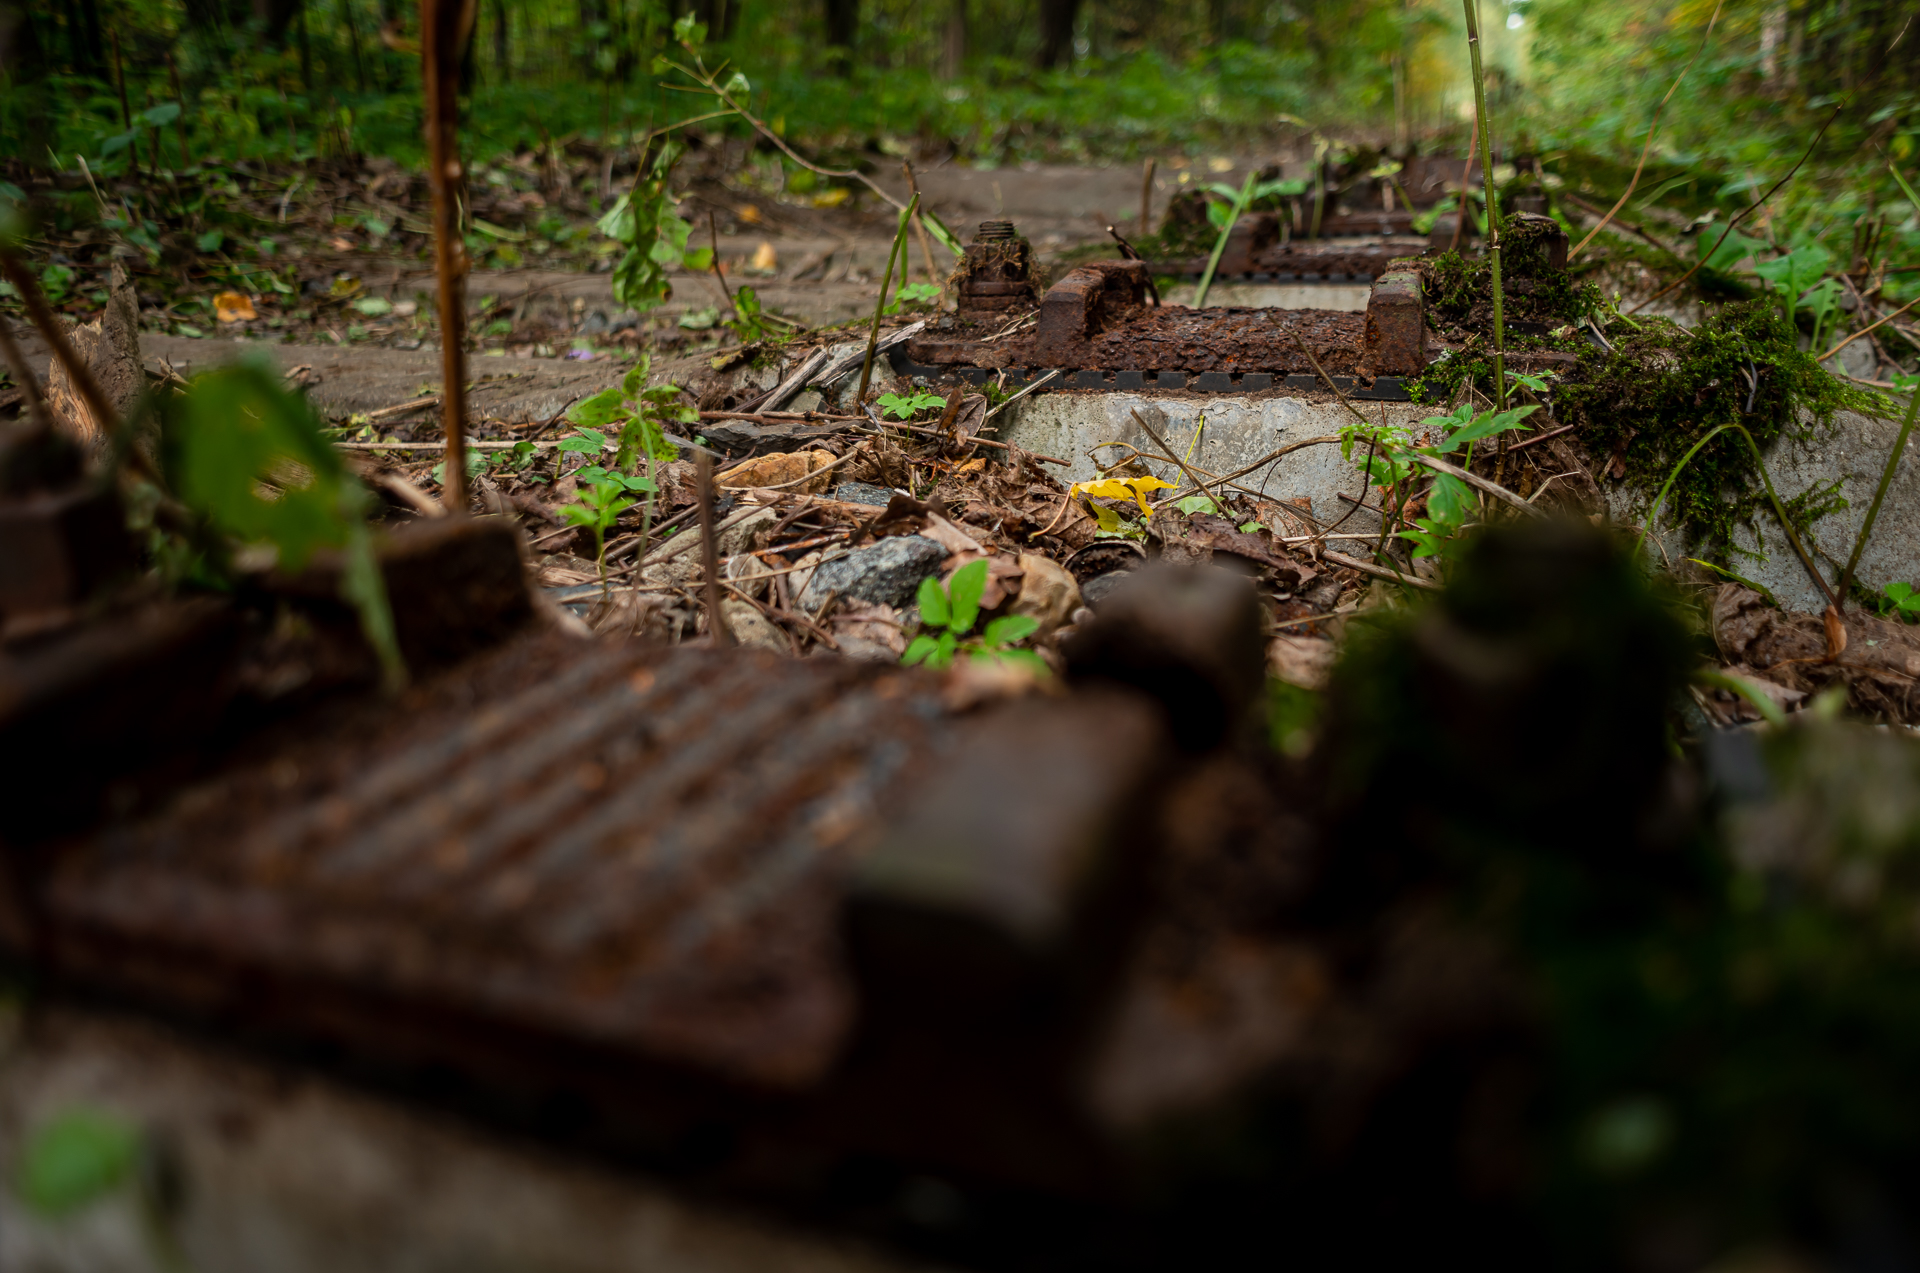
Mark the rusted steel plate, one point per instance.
(629, 847)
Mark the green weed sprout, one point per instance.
(601, 501)
(641, 415)
(907, 406)
(646, 222)
(1899, 598)
(913, 294)
(955, 610)
(749, 322)
(1450, 501)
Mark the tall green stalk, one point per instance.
(1886, 480)
(1493, 206)
(1220, 244)
(898, 252)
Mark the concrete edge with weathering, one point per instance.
(280, 1170)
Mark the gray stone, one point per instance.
(1853, 453)
(887, 574)
(863, 493)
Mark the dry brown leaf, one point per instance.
(233, 307)
(951, 537)
(782, 468)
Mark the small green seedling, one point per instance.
(646, 222)
(914, 294)
(641, 414)
(955, 610)
(749, 322)
(1899, 598)
(907, 406)
(600, 502)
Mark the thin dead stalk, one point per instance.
(919, 227)
(1864, 330)
(1169, 452)
(898, 251)
(1743, 214)
(710, 553)
(440, 40)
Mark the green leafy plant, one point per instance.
(1450, 502)
(1900, 599)
(250, 458)
(954, 610)
(639, 413)
(598, 506)
(907, 406)
(645, 221)
(749, 322)
(914, 294)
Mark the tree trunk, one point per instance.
(85, 45)
(353, 39)
(843, 16)
(276, 17)
(1056, 29)
(953, 60)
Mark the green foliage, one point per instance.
(954, 610)
(601, 500)
(907, 406)
(913, 294)
(639, 413)
(1899, 598)
(75, 1159)
(249, 456)
(644, 221)
(749, 322)
(1451, 503)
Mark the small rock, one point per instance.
(1047, 592)
(886, 574)
(1096, 589)
(862, 493)
(595, 324)
(751, 628)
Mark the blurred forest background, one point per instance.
(989, 81)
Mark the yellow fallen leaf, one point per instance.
(831, 198)
(1134, 488)
(233, 307)
(749, 214)
(764, 261)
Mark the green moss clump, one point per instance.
(1663, 387)
(1459, 289)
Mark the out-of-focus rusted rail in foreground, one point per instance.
(763, 925)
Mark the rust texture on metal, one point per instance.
(1085, 302)
(618, 845)
(996, 271)
(1396, 333)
